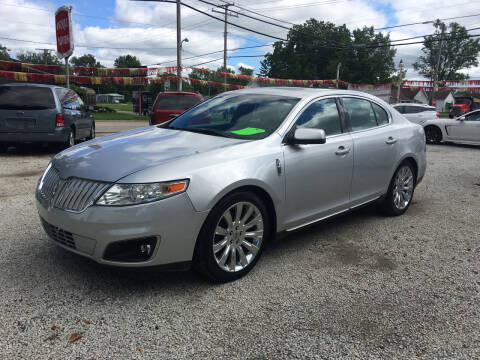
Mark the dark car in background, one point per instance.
(37, 113)
(171, 104)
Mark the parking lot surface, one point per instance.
(359, 286)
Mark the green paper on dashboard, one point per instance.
(248, 131)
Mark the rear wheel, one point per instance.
(233, 237)
(433, 135)
(70, 140)
(92, 133)
(400, 191)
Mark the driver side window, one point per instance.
(473, 117)
(322, 114)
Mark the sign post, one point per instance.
(64, 35)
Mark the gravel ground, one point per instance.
(359, 286)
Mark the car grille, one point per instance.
(59, 235)
(72, 194)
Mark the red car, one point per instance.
(171, 104)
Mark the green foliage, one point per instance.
(245, 71)
(117, 116)
(81, 92)
(4, 53)
(127, 61)
(31, 57)
(458, 51)
(87, 60)
(314, 49)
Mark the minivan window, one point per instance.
(26, 98)
(69, 99)
(360, 113)
(322, 114)
(177, 102)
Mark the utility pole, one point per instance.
(438, 65)
(400, 78)
(227, 14)
(179, 45)
(339, 65)
(46, 52)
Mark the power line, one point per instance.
(425, 22)
(85, 46)
(257, 13)
(219, 19)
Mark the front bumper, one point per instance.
(173, 221)
(57, 135)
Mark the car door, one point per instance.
(318, 176)
(467, 129)
(374, 144)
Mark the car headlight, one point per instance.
(133, 194)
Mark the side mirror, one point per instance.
(461, 118)
(308, 136)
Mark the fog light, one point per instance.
(134, 250)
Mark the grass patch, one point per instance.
(117, 107)
(118, 116)
(444, 114)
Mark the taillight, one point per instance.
(438, 115)
(60, 121)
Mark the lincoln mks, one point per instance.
(211, 187)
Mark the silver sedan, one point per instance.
(212, 187)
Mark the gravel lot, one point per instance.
(359, 286)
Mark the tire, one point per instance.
(70, 140)
(433, 135)
(397, 201)
(92, 132)
(227, 252)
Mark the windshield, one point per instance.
(26, 98)
(245, 116)
(177, 102)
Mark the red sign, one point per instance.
(63, 29)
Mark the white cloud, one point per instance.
(148, 29)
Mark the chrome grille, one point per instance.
(59, 235)
(50, 181)
(72, 194)
(76, 194)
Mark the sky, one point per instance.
(109, 28)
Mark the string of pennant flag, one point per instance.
(82, 75)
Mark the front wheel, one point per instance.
(70, 140)
(233, 237)
(433, 135)
(92, 133)
(400, 191)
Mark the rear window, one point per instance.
(177, 102)
(26, 98)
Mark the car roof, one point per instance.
(301, 92)
(33, 85)
(414, 104)
(182, 93)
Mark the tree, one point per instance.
(228, 70)
(31, 57)
(458, 52)
(315, 48)
(4, 53)
(127, 61)
(245, 71)
(87, 60)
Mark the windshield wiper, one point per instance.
(200, 131)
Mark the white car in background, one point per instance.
(464, 129)
(417, 113)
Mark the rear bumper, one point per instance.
(58, 135)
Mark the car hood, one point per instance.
(113, 157)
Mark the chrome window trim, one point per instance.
(300, 111)
(390, 117)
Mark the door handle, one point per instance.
(342, 150)
(391, 140)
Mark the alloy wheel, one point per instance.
(403, 187)
(238, 236)
(71, 139)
